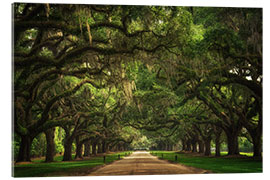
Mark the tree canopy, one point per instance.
(118, 77)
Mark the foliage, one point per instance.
(132, 76)
(38, 147)
(58, 139)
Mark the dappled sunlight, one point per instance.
(91, 83)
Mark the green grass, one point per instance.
(250, 154)
(59, 168)
(224, 153)
(215, 164)
(56, 159)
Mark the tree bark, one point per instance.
(87, 149)
(217, 131)
(107, 147)
(99, 148)
(94, 148)
(194, 147)
(113, 148)
(257, 144)
(50, 150)
(257, 147)
(163, 146)
(184, 147)
(201, 146)
(104, 146)
(125, 147)
(188, 145)
(207, 144)
(79, 146)
(68, 150)
(171, 147)
(24, 151)
(167, 146)
(217, 142)
(256, 135)
(217, 151)
(232, 140)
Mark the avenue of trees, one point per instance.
(96, 78)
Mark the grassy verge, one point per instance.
(59, 168)
(214, 164)
(224, 153)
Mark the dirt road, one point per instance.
(143, 163)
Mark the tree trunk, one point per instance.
(256, 135)
(94, 148)
(107, 147)
(78, 149)
(171, 147)
(167, 147)
(24, 151)
(188, 145)
(112, 147)
(50, 150)
(68, 150)
(87, 148)
(184, 147)
(217, 131)
(164, 147)
(194, 146)
(257, 144)
(207, 144)
(217, 142)
(104, 146)
(217, 153)
(125, 147)
(159, 146)
(232, 140)
(201, 146)
(99, 148)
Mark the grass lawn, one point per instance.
(59, 168)
(223, 153)
(215, 164)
